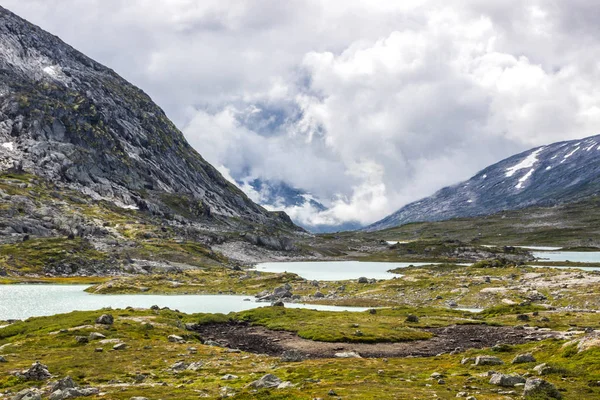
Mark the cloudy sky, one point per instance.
(367, 105)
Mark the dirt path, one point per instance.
(257, 339)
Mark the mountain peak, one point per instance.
(543, 176)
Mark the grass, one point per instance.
(143, 368)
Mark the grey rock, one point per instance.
(347, 354)
(65, 383)
(82, 339)
(363, 279)
(179, 366)
(292, 356)
(96, 336)
(3, 359)
(195, 366)
(37, 372)
(229, 377)
(267, 381)
(176, 339)
(523, 358)
(544, 369)
(105, 319)
(488, 360)
(318, 295)
(506, 380)
(541, 389)
(120, 346)
(27, 394)
(412, 318)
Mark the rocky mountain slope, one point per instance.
(544, 176)
(95, 179)
(70, 120)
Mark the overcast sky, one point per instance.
(367, 105)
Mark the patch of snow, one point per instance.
(591, 147)
(484, 176)
(9, 145)
(569, 155)
(524, 178)
(130, 207)
(554, 157)
(548, 168)
(469, 201)
(53, 71)
(528, 162)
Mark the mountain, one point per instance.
(70, 120)
(544, 176)
(277, 194)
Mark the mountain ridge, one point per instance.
(547, 175)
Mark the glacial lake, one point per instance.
(337, 270)
(573, 256)
(24, 301)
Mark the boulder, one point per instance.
(3, 360)
(523, 358)
(176, 339)
(318, 295)
(73, 393)
(488, 360)
(506, 380)
(82, 339)
(65, 383)
(267, 381)
(412, 319)
(539, 388)
(544, 369)
(195, 366)
(229, 377)
(292, 356)
(178, 366)
(120, 346)
(363, 279)
(278, 304)
(27, 394)
(96, 336)
(105, 319)
(37, 372)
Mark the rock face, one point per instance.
(545, 176)
(66, 118)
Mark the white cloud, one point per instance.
(367, 105)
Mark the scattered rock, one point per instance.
(523, 358)
(73, 393)
(176, 339)
(212, 343)
(98, 350)
(543, 369)
(96, 336)
(318, 295)
(178, 366)
(138, 398)
(27, 394)
(436, 375)
(105, 319)
(506, 380)
(278, 304)
(62, 384)
(82, 339)
(332, 393)
(37, 372)
(523, 317)
(285, 385)
(120, 346)
(541, 389)
(267, 381)
(363, 279)
(412, 318)
(467, 360)
(195, 366)
(488, 360)
(292, 356)
(229, 377)
(3, 360)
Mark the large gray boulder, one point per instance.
(539, 388)
(267, 381)
(506, 380)
(105, 319)
(523, 358)
(488, 360)
(37, 372)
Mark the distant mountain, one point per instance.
(276, 194)
(544, 176)
(76, 123)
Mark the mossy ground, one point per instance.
(143, 368)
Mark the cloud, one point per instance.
(366, 105)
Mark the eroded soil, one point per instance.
(260, 340)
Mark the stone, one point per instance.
(436, 375)
(71, 393)
(278, 304)
(467, 360)
(488, 360)
(523, 358)
(292, 356)
(332, 393)
(523, 317)
(506, 380)
(96, 336)
(138, 398)
(3, 360)
(105, 319)
(412, 318)
(62, 384)
(229, 377)
(347, 354)
(541, 389)
(27, 394)
(543, 369)
(318, 295)
(285, 385)
(195, 366)
(176, 339)
(178, 366)
(98, 350)
(267, 381)
(37, 372)
(212, 343)
(363, 279)
(120, 346)
(82, 339)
